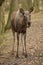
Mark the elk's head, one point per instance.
(28, 16)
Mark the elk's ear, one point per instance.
(22, 11)
(31, 9)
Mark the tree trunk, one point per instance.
(1, 2)
(12, 7)
(2, 20)
(29, 2)
(36, 5)
(42, 4)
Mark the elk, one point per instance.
(19, 23)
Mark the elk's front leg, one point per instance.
(25, 44)
(17, 44)
(22, 43)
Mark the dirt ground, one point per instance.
(34, 42)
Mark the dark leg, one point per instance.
(25, 44)
(13, 31)
(17, 44)
(13, 43)
(22, 42)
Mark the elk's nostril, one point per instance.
(29, 24)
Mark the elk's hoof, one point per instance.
(12, 53)
(23, 53)
(26, 55)
(17, 56)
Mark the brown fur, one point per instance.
(19, 25)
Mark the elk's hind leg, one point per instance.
(13, 44)
(22, 43)
(25, 44)
(17, 44)
(13, 31)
